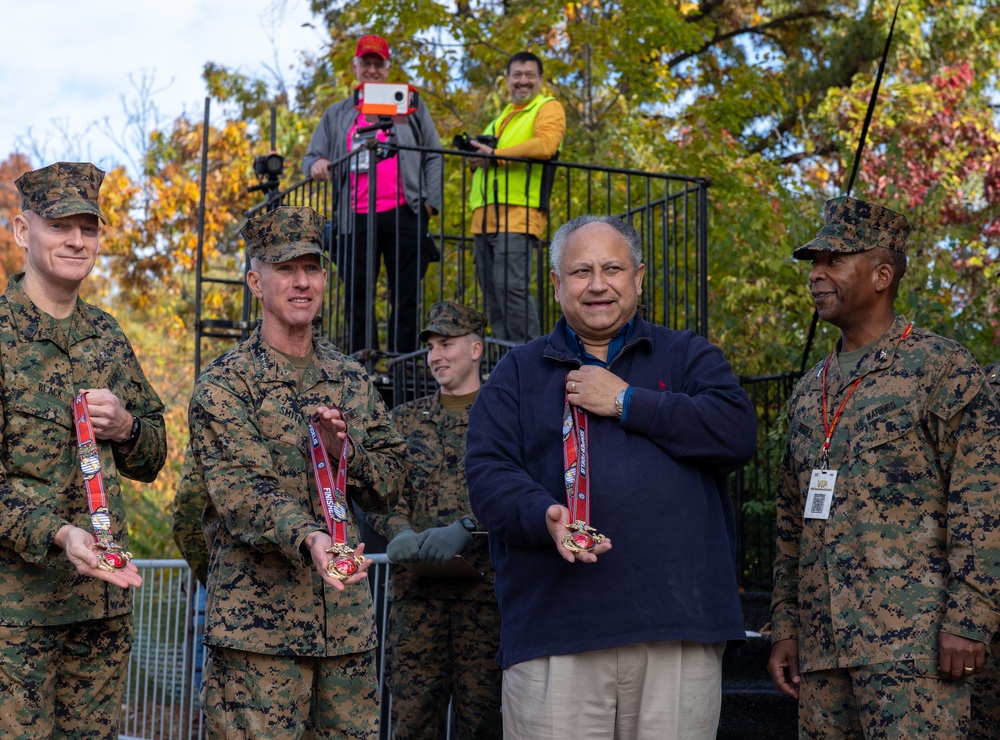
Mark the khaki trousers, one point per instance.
(643, 691)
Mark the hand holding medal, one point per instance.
(346, 565)
(112, 557)
(557, 519)
(570, 525)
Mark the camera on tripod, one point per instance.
(268, 168)
(269, 165)
(463, 142)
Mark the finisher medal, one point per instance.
(582, 537)
(333, 500)
(114, 556)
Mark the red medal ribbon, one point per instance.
(333, 501)
(113, 557)
(576, 463)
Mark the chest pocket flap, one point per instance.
(884, 429)
(39, 401)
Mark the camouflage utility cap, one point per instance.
(450, 319)
(61, 189)
(852, 225)
(284, 234)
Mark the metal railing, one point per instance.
(159, 703)
(670, 212)
(755, 485)
(165, 667)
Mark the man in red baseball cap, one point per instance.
(407, 193)
(372, 45)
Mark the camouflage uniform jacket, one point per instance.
(993, 376)
(249, 432)
(193, 517)
(912, 544)
(41, 484)
(435, 494)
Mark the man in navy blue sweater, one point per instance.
(610, 430)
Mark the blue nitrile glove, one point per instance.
(441, 544)
(404, 547)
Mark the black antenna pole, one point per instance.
(857, 160)
(871, 103)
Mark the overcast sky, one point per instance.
(66, 65)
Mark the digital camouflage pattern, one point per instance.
(80, 666)
(194, 517)
(444, 632)
(898, 701)
(190, 509)
(986, 692)
(275, 694)
(41, 484)
(993, 376)
(912, 545)
(284, 233)
(436, 649)
(249, 432)
(852, 225)
(451, 319)
(434, 493)
(61, 189)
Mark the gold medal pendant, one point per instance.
(114, 557)
(344, 563)
(582, 538)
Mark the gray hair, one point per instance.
(566, 230)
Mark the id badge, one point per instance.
(359, 164)
(820, 496)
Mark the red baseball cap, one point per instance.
(372, 45)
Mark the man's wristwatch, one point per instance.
(469, 524)
(620, 403)
(134, 434)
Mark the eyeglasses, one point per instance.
(376, 63)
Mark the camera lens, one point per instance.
(399, 96)
(274, 164)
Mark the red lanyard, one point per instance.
(333, 501)
(576, 464)
(113, 557)
(582, 536)
(829, 427)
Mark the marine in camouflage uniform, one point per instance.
(444, 632)
(65, 625)
(882, 611)
(986, 691)
(291, 649)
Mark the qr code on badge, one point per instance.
(818, 502)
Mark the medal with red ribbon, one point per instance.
(333, 500)
(582, 537)
(114, 556)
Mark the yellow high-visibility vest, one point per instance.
(516, 183)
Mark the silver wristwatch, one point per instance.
(620, 403)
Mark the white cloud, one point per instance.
(67, 65)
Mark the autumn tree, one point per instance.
(765, 99)
(11, 256)
(934, 156)
(744, 93)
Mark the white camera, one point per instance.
(385, 99)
